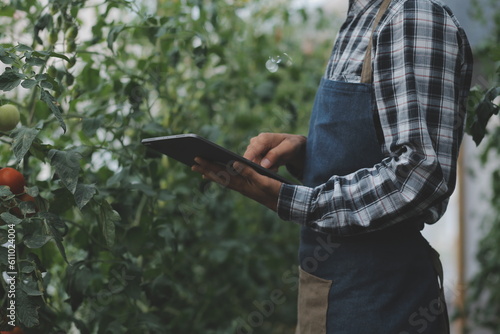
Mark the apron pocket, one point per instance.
(312, 304)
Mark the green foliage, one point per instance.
(482, 104)
(121, 239)
(484, 299)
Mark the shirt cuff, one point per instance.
(294, 203)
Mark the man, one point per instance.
(378, 164)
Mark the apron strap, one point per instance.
(438, 267)
(366, 73)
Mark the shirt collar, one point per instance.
(356, 6)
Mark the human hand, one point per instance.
(243, 179)
(272, 150)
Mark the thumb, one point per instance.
(274, 157)
(266, 163)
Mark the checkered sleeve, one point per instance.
(422, 64)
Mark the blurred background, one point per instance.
(121, 239)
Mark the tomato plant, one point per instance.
(122, 239)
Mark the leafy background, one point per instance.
(483, 302)
(125, 239)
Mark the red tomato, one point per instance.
(15, 330)
(12, 178)
(26, 198)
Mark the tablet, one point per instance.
(186, 147)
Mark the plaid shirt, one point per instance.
(422, 66)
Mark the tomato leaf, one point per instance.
(6, 58)
(27, 207)
(107, 218)
(36, 240)
(479, 116)
(54, 106)
(59, 55)
(43, 22)
(46, 84)
(27, 308)
(28, 268)
(84, 193)
(78, 277)
(54, 224)
(4, 237)
(10, 218)
(23, 139)
(41, 77)
(67, 166)
(113, 35)
(33, 191)
(30, 291)
(60, 201)
(28, 83)
(40, 150)
(35, 61)
(10, 79)
(5, 191)
(23, 48)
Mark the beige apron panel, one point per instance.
(312, 304)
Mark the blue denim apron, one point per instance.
(378, 283)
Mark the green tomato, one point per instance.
(71, 33)
(53, 37)
(9, 117)
(71, 46)
(70, 79)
